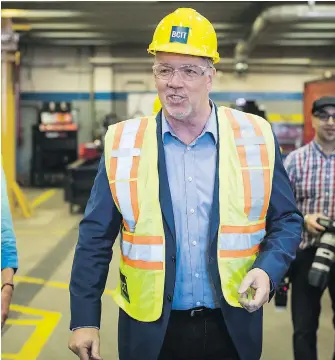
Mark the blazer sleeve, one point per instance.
(284, 224)
(97, 233)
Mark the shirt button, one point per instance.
(327, 193)
(169, 297)
(192, 211)
(194, 243)
(196, 275)
(188, 148)
(173, 258)
(198, 303)
(190, 178)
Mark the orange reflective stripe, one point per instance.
(134, 169)
(265, 164)
(239, 253)
(113, 161)
(242, 229)
(126, 226)
(142, 240)
(243, 161)
(145, 265)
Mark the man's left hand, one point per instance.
(258, 280)
(6, 297)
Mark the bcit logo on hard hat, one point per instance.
(179, 34)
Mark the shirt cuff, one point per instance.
(82, 327)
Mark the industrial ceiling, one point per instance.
(249, 32)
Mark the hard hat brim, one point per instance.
(183, 49)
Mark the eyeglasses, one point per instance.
(323, 116)
(187, 72)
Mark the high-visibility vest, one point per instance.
(246, 162)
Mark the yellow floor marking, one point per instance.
(8, 356)
(43, 198)
(43, 329)
(23, 322)
(54, 284)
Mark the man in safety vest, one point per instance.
(207, 218)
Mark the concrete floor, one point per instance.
(39, 318)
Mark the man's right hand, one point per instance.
(312, 226)
(85, 343)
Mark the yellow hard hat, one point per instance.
(157, 105)
(187, 32)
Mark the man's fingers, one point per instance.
(83, 353)
(95, 355)
(246, 283)
(319, 227)
(257, 302)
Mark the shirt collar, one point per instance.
(210, 127)
(318, 148)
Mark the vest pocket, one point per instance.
(141, 282)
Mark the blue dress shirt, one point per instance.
(191, 172)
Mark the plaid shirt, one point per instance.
(312, 174)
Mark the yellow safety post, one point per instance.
(9, 57)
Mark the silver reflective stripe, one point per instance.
(247, 130)
(256, 140)
(257, 194)
(126, 152)
(123, 170)
(251, 144)
(253, 155)
(142, 252)
(240, 241)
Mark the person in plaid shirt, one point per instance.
(311, 170)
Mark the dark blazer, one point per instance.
(101, 225)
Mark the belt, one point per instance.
(197, 312)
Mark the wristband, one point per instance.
(7, 284)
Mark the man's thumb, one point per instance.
(246, 283)
(96, 351)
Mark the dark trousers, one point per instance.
(306, 306)
(203, 336)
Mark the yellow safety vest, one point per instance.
(246, 162)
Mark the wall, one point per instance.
(65, 74)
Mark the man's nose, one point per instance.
(331, 119)
(175, 80)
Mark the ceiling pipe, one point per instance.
(107, 61)
(281, 15)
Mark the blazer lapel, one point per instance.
(164, 188)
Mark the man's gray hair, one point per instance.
(209, 62)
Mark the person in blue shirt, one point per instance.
(9, 257)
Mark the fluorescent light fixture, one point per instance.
(69, 35)
(21, 27)
(223, 26)
(59, 26)
(307, 35)
(80, 42)
(298, 42)
(19, 13)
(313, 26)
